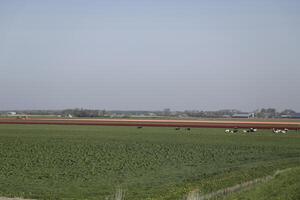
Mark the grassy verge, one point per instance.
(285, 186)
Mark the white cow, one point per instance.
(276, 130)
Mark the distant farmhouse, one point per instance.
(291, 116)
(285, 116)
(68, 116)
(243, 115)
(11, 113)
(296, 116)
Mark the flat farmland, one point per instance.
(93, 162)
(294, 125)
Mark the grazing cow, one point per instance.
(188, 129)
(139, 127)
(245, 131)
(177, 128)
(235, 130)
(252, 130)
(276, 130)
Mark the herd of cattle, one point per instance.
(253, 130)
(280, 131)
(236, 130)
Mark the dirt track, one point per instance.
(157, 123)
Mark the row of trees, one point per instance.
(273, 113)
(83, 113)
(260, 113)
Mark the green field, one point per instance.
(285, 186)
(85, 162)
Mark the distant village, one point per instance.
(267, 113)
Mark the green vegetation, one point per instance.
(85, 162)
(285, 186)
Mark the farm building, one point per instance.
(291, 116)
(285, 116)
(296, 116)
(69, 116)
(11, 113)
(243, 115)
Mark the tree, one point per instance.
(288, 112)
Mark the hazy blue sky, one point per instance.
(142, 54)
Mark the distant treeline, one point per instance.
(80, 112)
(83, 113)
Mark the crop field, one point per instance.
(93, 162)
(292, 125)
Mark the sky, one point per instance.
(150, 55)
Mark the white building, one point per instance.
(11, 113)
(243, 115)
